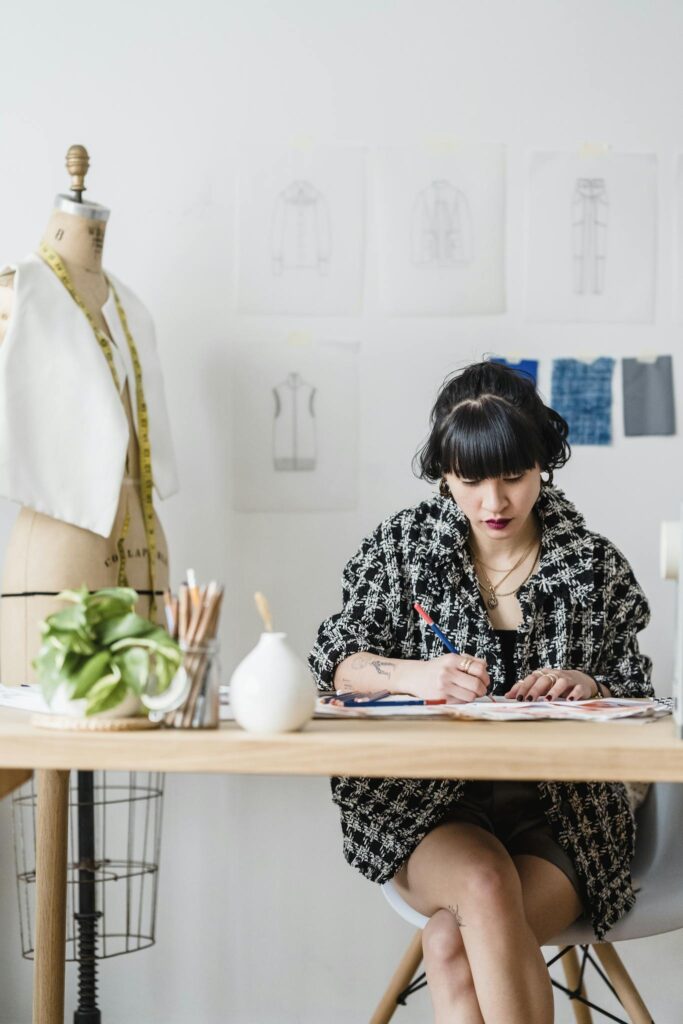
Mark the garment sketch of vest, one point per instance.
(301, 236)
(442, 226)
(294, 427)
(589, 230)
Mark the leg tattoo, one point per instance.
(459, 921)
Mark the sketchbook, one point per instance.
(503, 709)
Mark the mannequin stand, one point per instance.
(87, 915)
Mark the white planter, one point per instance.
(272, 690)
(129, 707)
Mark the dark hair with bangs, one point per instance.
(489, 421)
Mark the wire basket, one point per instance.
(126, 815)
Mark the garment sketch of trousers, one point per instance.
(294, 426)
(441, 226)
(589, 235)
(300, 235)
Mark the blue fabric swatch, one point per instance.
(582, 393)
(529, 367)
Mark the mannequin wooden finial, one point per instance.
(77, 164)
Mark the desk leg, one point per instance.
(51, 853)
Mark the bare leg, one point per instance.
(464, 867)
(448, 971)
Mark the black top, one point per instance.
(507, 639)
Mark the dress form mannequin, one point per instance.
(45, 554)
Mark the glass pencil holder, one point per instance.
(192, 701)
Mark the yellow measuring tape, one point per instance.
(146, 479)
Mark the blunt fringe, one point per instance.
(488, 420)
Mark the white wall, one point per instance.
(261, 921)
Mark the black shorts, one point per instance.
(512, 811)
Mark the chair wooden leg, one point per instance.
(572, 970)
(623, 985)
(410, 961)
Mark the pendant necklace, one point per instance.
(490, 591)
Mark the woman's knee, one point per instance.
(491, 882)
(441, 938)
(444, 952)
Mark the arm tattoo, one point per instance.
(366, 660)
(456, 914)
(383, 668)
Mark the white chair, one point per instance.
(657, 873)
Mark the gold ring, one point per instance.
(551, 676)
(465, 667)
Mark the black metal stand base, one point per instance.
(87, 916)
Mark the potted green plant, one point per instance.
(98, 657)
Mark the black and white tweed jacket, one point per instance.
(582, 609)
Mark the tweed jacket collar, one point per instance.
(566, 563)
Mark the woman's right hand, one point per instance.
(444, 677)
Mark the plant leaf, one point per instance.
(110, 603)
(89, 673)
(130, 625)
(70, 619)
(106, 694)
(133, 664)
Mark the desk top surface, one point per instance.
(420, 749)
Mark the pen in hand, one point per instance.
(442, 637)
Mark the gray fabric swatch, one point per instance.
(648, 397)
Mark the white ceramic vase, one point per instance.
(272, 690)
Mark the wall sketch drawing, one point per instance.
(300, 238)
(294, 412)
(441, 226)
(589, 235)
(301, 235)
(678, 255)
(441, 229)
(294, 440)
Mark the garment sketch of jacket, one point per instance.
(589, 232)
(581, 609)
(441, 226)
(301, 234)
(294, 428)
(64, 432)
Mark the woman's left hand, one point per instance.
(556, 684)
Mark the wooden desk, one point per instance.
(426, 749)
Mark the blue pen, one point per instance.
(433, 626)
(390, 703)
(442, 637)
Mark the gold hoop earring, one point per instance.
(549, 481)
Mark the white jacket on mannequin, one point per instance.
(63, 429)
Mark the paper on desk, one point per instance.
(27, 697)
(503, 709)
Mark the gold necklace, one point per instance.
(493, 593)
(515, 566)
(493, 568)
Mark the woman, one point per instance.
(542, 608)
